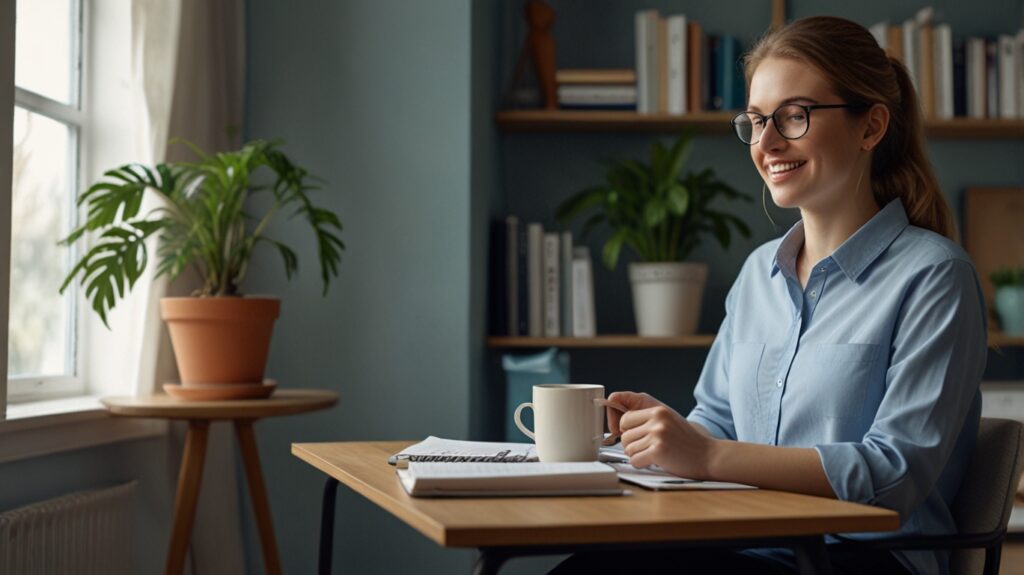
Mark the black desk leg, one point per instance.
(811, 556)
(327, 510)
(489, 562)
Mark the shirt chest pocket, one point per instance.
(839, 375)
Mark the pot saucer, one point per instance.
(221, 391)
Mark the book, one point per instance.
(880, 32)
(676, 64)
(713, 90)
(583, 320)
(535, 278)
(959, 78)
(1018, 43)
(926, 68)
(1007, 78)
(894, 42)
(582, 94)
(991, 78)
(455, 450)
(943, 36)
(975, 67)
(662, 106)
(552, 294)
(498, 297)
(522, 281)
(731, 78)
(646, 46)
(694, 66)
(910, 43)
(598, 77)
(512, 275)
(662, 481)
(566, 288)
(484, 479)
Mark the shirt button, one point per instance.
(778, 383)
(813, 293)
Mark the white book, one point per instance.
(1007, 77)
(616, 95)
(454, 450)
(583, 320)
(534, 278)
(566, 287)
(473, 479)
(976, 78)
(653, 62)
(552, 294)
(880, 30)
(676, 64)
(943, 71)
(910, 44)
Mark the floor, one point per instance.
(1013, 556)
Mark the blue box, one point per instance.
(521, 374)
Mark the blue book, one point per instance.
(730, 73)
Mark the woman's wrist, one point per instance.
(714, 454)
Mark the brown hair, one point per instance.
(859, 71)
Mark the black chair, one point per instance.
(981, 508)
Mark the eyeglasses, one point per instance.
(791, 121)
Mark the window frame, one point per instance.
(74, 115)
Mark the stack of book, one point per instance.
(596, 89)
(956, 76)
(541, 285)
(680, 70)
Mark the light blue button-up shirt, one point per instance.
(875, 364)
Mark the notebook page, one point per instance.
(455, 450)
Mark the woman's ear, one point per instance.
(875, 127)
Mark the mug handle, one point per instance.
(519, 422)
(612, 439)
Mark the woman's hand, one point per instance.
(655, 434)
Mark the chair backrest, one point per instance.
(986, 495)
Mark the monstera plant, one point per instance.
(203, 220)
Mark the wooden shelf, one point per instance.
(634, 341)
(714, 123)
(995, 339)
(1000, 339)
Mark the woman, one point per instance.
(849, 359)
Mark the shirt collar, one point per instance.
(857, 252)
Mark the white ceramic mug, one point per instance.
(568, 420)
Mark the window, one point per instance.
(48, 126)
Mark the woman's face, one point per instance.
(819, 170)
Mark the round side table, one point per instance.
(199, 414)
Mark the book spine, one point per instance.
(976, 77)
(497, 277)
(583, 320)
(944, 71)
(640, 46)
(714, 67)
(910, 51)
(535, 237)
(959, 78)
(566, 286)
(1018, 43)
(677, 64)
(926, 69)
(894, 42)
(663, 46)
(653, 65)
(523, 288)
(879, 31)
(1007, 79)
(694, 42)
(512, 275)
(732, 81)
(991, 79)
(552, 295)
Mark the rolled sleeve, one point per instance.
(938, 356)
(712, 391)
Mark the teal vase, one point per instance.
(1010, 307)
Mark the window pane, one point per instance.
(44, 58)
(40, 318)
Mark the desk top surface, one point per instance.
(283, 402)
(644, 516)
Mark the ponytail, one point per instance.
(860, 71)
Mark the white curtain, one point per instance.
(188, 66)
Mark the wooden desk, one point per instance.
(507, 527)
(199, 415)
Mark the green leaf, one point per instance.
(580, 202)
(612, 248)
(678, 199)
(678, 156)
(654, 213)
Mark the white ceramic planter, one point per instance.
(667, 297)
(1010, 307)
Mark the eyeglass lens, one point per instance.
(790, 120)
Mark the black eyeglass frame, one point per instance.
(807, 109)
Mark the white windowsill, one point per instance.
(46, 427)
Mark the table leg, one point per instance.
(189, 479)
(327, 511)
(489, 562)
(258, 494)
(811, 556)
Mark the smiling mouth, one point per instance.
(784, 167)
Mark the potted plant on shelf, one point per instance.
(662, 216)
(220, 338)
(1009, 300)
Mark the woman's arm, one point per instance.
(653, 433)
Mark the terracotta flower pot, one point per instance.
(220, 339)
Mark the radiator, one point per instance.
(82, 533)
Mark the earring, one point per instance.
(764, 203)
